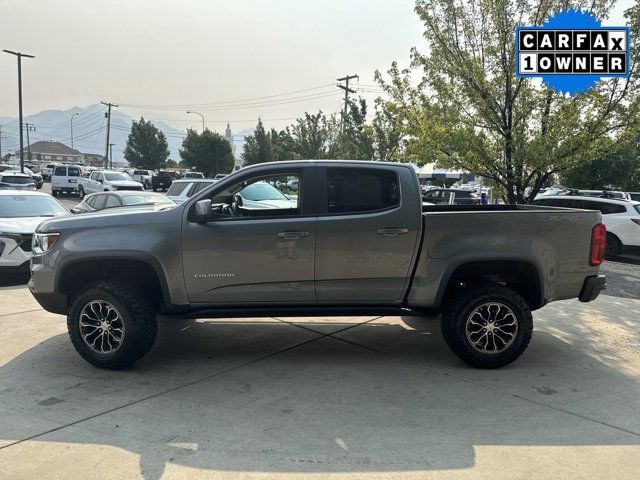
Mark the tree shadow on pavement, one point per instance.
(265, 395)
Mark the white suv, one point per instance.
(106, 181)
(621, 217)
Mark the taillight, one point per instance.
(636, 220)
(598, 244)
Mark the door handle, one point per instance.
(392, 232)
(292, 235)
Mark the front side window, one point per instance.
(265, 196)
(357, 190)
(95, 176)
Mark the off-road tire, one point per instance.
(614, 248)
(139, 315)
(454, 318)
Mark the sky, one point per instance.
(155, 57)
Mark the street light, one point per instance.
(72, 129)
(189, 111)
(20, 55)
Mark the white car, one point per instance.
(107, 181)
(181, 190)
(10, 180)
(621, 217)
(20, 214)
(142, 176)
(193, 175)
(65, 179)
(47, 171)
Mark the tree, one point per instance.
(619, 169)
(313, 136)
(257, 147)
(355, 142)
(282, 145)
(469, 110)
(171, 164)
(208, 152)
(146, 146)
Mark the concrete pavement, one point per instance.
(348, 397)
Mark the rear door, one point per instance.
(367, 234)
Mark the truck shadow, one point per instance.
(270, 396)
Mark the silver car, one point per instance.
(10, 180)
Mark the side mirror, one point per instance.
(202, 212)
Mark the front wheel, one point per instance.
(81, 193)
(111, 325)
(487, 326)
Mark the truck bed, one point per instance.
(553, 242)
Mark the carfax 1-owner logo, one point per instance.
(572, 51)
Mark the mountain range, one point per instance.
(89, 131)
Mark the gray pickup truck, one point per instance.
(354, 238)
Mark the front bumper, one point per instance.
(592, 287)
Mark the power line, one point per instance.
(270, 103)
(187, 105)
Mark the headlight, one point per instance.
(42, 242)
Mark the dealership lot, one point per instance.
(354, 397)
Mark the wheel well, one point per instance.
(80, 274)
(520, 276)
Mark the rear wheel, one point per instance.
(54, 193)
(487, 326)
(613, 249)
(111, 325)
(155, 189)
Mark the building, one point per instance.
(237, 160)
(92, 159)
(49, 151)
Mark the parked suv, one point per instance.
(444, 196)
(621, 217)
(162, 180)
(65, 179)
(10, 180)
(105, 181)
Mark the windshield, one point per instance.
(261, 191)
(16, 180)
(116, 176)
(145, 198)
(13, 206)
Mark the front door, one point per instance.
(366, 240)
(261, 251)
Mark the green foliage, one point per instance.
(257, 147)
(207, 152)
(619, 170)
(146, 146)
(171, 164)
(355, 142)
(469, 111)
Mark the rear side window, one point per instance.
(361, 190)
(177, 188)
(610, 208)
(99, 202)
(74, 172)
(60, 171)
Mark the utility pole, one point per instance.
(108, 115)
(111, 155)
(72, 129)
(347, 91)
(0, 143)
(29, 127)
(20, 55)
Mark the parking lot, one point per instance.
(349, 397)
